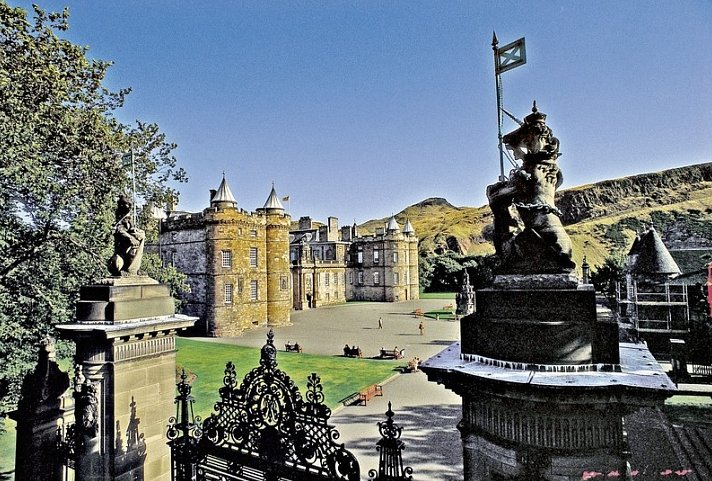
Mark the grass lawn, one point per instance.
(437, 295)
(340, 376)
(7, 449)
(689, 410)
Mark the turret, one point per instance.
(279, 290)
(223, 197)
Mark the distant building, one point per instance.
(247, 269)
(237, 263)
(332, 265)
(655, 307)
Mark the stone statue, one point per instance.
(128, 242)
(541, 246)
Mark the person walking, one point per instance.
(380, 323)
(421, 328)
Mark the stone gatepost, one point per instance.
(125, 333)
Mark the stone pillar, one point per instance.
(39, 414)
(125, 336)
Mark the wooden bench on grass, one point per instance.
(363, 396)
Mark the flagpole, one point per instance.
(133, 182)
(498, 83)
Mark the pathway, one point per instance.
(427, 412)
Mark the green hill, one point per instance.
(600, 217)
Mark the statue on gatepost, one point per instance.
(128, 242)
(541, 246)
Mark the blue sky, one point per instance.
(358, 109)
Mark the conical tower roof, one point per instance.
(273, 201)
(224, 195)
(408, 229)
(653, 256)
(393, 225)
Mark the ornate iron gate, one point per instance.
(261, 430)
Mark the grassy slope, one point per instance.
(435, 219)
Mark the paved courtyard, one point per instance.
(427, 412)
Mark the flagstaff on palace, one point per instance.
(506, 58)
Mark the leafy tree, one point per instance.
(168, 275)
(604, 278)
(61, 171)
(443, 273)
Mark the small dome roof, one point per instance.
(224, 194)
(273, 201)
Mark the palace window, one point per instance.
(376, 278)
(174, 258)
(376, 256)
(240, 285)
(253, 256)
(395, 257)
(253, 233)
(326, 278)
(228, 293)
(336, 279)
(396, 278)
(227, 258)
(351, 277)
(360, 278)
(253, 291)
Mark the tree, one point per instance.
(606, 276)
(60, 161)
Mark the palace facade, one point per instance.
(247, 269)
(332, 265)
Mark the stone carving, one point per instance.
(541, 246)
(43, 387)
(88, 409)
(465, 298)
(128, 242)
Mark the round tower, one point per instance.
(279, 288)
(413, 281)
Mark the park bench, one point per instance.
(352, 351)
(418, 313)
(367, 394)
(392, 353)
(293, 347)
(363, 396)
(447, 307)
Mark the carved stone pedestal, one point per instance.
(545, 384)
(539, 325)
(125, 387)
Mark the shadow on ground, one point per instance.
(434, 453)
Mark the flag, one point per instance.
(510, 56)
(126, 160)
(285, 198)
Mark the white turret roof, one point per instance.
(393, 224)
(273, 201)
(408, 227)
(224, 194)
